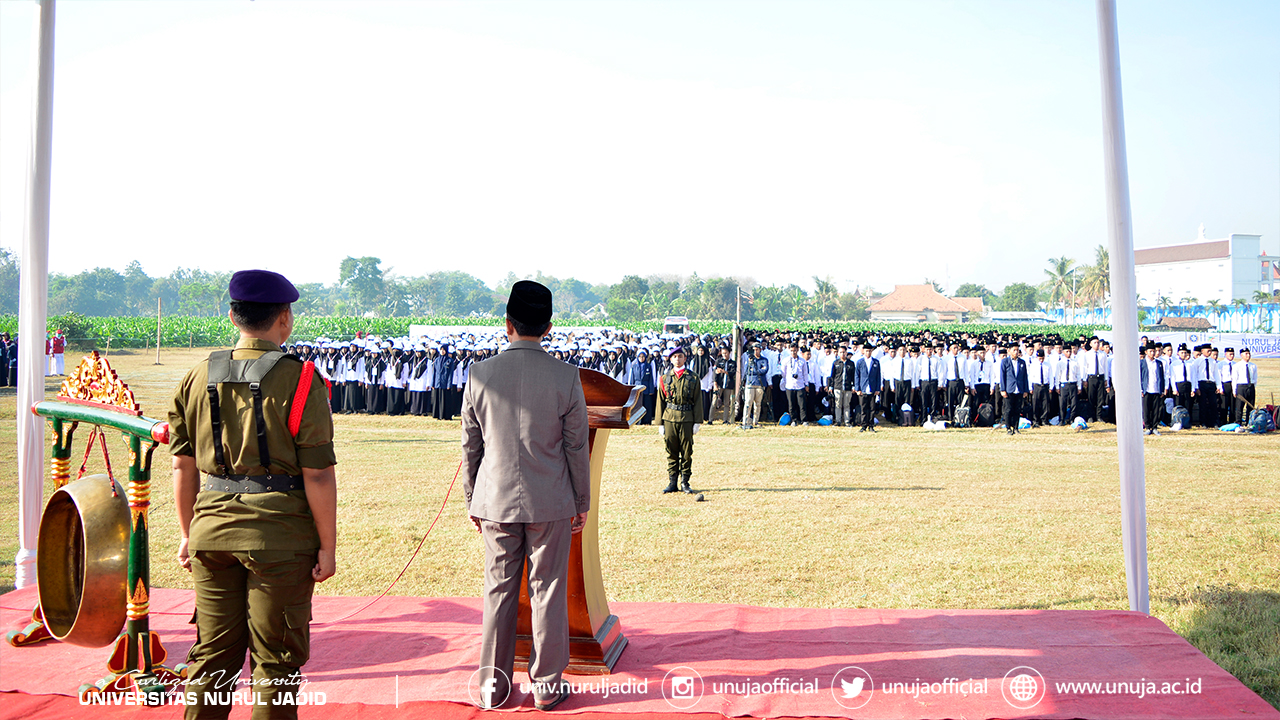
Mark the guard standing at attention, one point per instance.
(261, 528)
(680, 410)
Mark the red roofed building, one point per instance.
(1222, 270)
(921, 303)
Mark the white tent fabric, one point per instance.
(33, 304)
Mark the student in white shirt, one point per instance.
(1066, 382)
(904, 379)
(1227, 396)
(795, 382)
(1206, 380)
(1041, 376)
(1245, 382)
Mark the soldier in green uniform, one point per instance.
(680, 409)
(259, 531)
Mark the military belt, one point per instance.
(252, 484)
(682, 408)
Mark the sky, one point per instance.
(875, 143)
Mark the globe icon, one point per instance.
(1023, 687)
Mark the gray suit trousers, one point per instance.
(547, 546)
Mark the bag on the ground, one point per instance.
(1181, 418)
(986, 415)
(1260, 421)
(961, 419)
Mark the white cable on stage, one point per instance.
(33, 304)
(1124, 304)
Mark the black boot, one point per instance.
(684, 484)
(671, 486)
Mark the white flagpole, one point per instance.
(33, 302)
(1124, 317)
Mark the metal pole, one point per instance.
(33, 304)
(158, 331)
(738, 400)
(1124, 308)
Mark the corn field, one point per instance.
(182, 331)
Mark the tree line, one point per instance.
(364, 288)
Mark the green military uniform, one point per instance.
(679, 408)
(252, 553)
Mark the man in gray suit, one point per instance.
(528, 488)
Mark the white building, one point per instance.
(1222, 270)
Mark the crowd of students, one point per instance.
(804, 378)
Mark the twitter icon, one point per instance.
(852, 687)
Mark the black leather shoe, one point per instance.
(551, 704)
(684, 485)
(671, 486)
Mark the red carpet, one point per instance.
(412, 657)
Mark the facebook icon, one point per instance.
(489, 687)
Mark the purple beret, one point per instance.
(262, 286)
(530, 303)
(676, 349)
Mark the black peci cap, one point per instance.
(529, 303)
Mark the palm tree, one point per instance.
(1215, 307)
(1265, 302)
(1060, 273)
(800, 305)
(1097, 278)
(1164, 303)
(1240, 305)
(768, 303)
(825, 296)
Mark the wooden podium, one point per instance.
(595, 636)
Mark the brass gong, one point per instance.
(82, 561)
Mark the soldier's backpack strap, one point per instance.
(219, 367)
(225, 369)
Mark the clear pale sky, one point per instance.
(872, 142)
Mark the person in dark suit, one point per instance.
(528, 489)
(840, 383)
(1014, 386)
(6, 347)
(1151, 377)
(866, 383)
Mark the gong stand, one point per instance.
(93, 394)
(595, 635)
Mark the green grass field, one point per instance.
(822, 517)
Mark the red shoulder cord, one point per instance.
(300, 397)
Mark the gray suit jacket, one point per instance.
(525, 438)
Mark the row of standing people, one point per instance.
(806, 382)
(393, 380)
(1063, 381)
